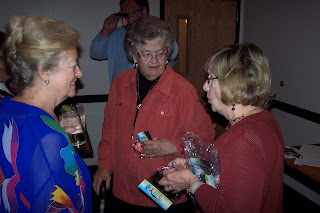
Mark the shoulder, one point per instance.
(31, 132)
(178, 81)
(28, 119)
(124, 80)
(184, 88)
(259, 132)
(262, 124)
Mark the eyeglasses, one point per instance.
(209, 78)
(126, 15)
(148, 56)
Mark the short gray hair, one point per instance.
(145, 29)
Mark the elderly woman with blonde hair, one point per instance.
(40, 171)
(250, 148)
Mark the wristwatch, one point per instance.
(191, 191)
(194, 186)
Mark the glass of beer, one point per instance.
(73, 121)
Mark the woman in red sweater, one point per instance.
(250, 148)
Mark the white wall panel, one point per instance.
(288, 32)
(87, 17)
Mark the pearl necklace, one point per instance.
(138, 90)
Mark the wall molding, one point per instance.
(294, 110)
(297, 111)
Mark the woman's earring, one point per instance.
(135, 65)
(233, 109)
(167, 61)
(47, 82)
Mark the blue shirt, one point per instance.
(40, 171)
(112, 48)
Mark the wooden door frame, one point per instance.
(217, 118)
(162, 11)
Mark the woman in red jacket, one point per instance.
(150, 96)
(251, 146)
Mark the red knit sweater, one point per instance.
(251, 155)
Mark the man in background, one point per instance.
(108, 44)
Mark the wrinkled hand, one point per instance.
(158, 147)
(177, 179)
(179, 163)
(109, 25)
(99, 176)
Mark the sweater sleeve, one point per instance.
(105, 147)
(99, 47)
(242, 180)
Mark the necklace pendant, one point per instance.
(138, 107)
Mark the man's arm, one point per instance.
(99, 45)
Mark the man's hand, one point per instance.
(158, 147)
(109, 25)
(99, 176)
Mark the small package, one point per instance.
(155, 194)
(204, 160)
(143, 136)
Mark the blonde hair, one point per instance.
(244, 75)
(35, 41)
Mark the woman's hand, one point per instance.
(177, 179)
(158, 147)
(99, 176)
(179, 163)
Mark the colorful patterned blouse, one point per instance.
(39, 169)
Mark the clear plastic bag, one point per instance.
(204, 160)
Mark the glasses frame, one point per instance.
(126, 15)
(209, 78)
(153, 55)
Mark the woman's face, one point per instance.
(63, 81)
(213, 89)
(152, 68)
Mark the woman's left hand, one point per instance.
(158, 147)
(177, 180)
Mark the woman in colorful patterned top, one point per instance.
(39, 169)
